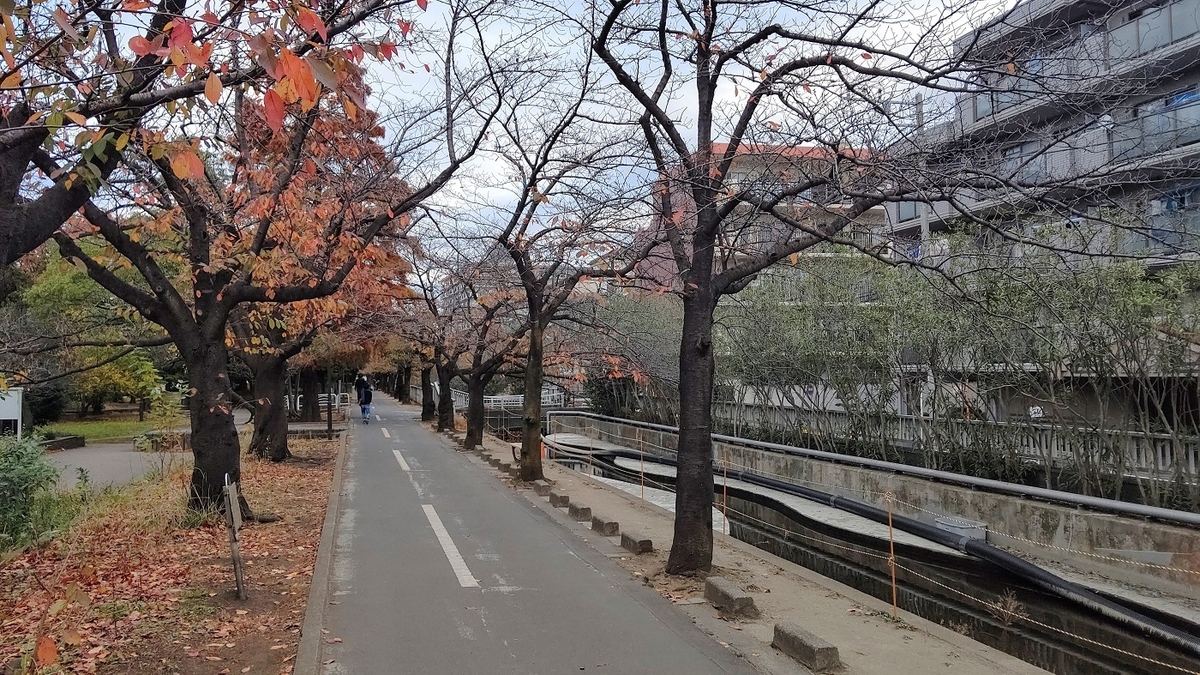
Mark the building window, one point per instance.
(983, 104)
(906, 211)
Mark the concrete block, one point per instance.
(541, 488)
(729, 598)
(608, 528)
(559, 499)
(514, 470)
(579, 512)
(504, 467)
(636, 543)
(494, 461)
(811, 651)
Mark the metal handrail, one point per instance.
(1098, 503)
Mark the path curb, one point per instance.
(308, 655)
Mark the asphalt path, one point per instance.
(108, 464)
(441, 568)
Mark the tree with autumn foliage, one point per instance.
(467, 318)
(79, 83)
(263, 208)
(358, 324)
(265, 336)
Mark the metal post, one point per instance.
(724, 496)
(328, 408)
(892, 556)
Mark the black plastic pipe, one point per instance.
(1047, 581)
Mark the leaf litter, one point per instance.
(139, 585)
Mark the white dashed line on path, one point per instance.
(385, 432)
(465, 578)
(400, 460)
(378, 418)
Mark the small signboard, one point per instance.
(11, 405)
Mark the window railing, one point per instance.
(1169, 233)
(1156, 132)
(1156, 28)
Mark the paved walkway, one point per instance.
(439, 568)
(109, 464)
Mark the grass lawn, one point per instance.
(97, 431)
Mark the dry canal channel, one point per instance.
(970, 595)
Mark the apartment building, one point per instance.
(1093, 106)
(765, 169)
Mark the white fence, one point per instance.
(511, 402)
(341, 402)
(550, 398)
(1140, 454)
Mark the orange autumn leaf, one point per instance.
(187, 164)
(212, 88)
(140, 45)
(273, 107)
(311, 23)
(46, 653)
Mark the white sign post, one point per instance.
(10, 407)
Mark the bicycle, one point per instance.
(516, 452)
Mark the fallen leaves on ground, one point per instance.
(139, 585)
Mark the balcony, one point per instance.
(1161, 42)
(1157, 132)
(1168, 234)
(1156, 28)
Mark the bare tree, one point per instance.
(774, 127)
(468, 320)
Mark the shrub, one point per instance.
(46, 401)
(24, 475)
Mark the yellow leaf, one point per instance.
(11, 81)
(76, 118)
(212, 88)
(72, 636)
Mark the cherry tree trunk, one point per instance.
(445, 410)
(403, 377)
(531, 412)
(475, 411)
(310, 389)
(214, 433)
(692, 546)
(428, 405)
(270, 416)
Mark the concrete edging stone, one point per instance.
(308, 655)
